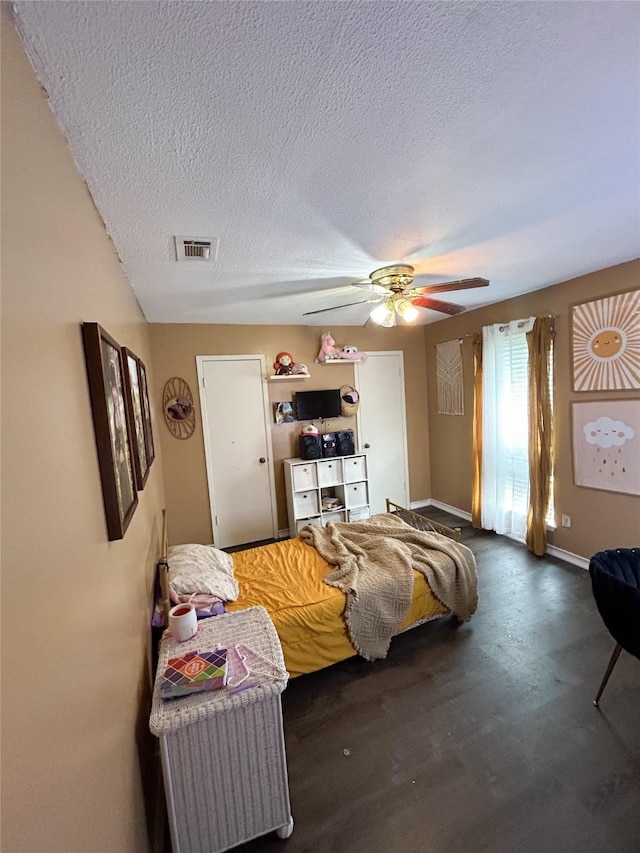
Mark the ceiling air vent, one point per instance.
(196, 249)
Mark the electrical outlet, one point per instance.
(566, 520)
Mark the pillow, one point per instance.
(202, 569)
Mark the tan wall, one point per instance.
(174, 348)
(600, 519)
(75, 609)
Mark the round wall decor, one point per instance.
(178, 408)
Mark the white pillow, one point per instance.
(202, 569)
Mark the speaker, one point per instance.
(310, 447)
(345, 443)
(329, 444)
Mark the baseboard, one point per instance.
(568, 557)
(440, 505)
(552, 551)
(283, 534)
(419, 504)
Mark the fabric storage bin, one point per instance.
(304, 477)
(304, 521)
(306, 503)
(330, 472)
(332, 516)
(355, 468)
(356, 494)
(359, 514)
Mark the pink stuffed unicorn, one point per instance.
(330, 352)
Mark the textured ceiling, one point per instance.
(320, 140)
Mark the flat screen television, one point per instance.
(316, 405)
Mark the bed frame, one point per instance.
(420, 522)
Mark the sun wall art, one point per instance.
(606, 343)
(606, 445)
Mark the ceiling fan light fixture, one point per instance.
(384, 315)
(407, 311)
(395, 276)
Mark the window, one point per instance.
(505, 429)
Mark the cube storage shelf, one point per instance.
(310, 484)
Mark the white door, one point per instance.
(382, 427)
(237, 443)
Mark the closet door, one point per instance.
(382, 430)
(237, 440)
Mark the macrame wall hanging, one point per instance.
(449, 385)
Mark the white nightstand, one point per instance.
(223, 753)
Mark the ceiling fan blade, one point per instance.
(335, 307)
(462, 284)
(437, 305)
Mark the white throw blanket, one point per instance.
(374, 560)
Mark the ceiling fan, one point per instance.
(396, 295)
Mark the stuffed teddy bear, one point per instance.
(284, 364)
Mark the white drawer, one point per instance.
(355, 468)
(329, 472)
(306, 503)
(304, 477)
(359, 514)
(355, 494)
(302, 522)
(332, 516)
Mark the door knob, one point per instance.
(262, 459)
(367, 446)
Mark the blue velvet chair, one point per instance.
(615, 579)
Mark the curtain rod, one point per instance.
(502, 328)
(523, 323)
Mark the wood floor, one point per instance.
(480, 738)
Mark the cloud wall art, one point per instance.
(606, 445)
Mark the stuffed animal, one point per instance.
(300, 369)
(328, 349)
(284, 364)
(330, 352)
(352, 353)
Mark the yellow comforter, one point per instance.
(286, 579)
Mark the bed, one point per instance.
(320, 624)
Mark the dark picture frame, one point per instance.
(135, 408)
(146, 412)
(105, 375)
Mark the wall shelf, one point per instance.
(289, 377)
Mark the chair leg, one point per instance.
(612, 663)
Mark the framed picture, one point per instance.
(146, 412)
(135, 410)
(283, 413)
(605, 342)
(606, 445)
(105, 373)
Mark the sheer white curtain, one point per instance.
(505, 428)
